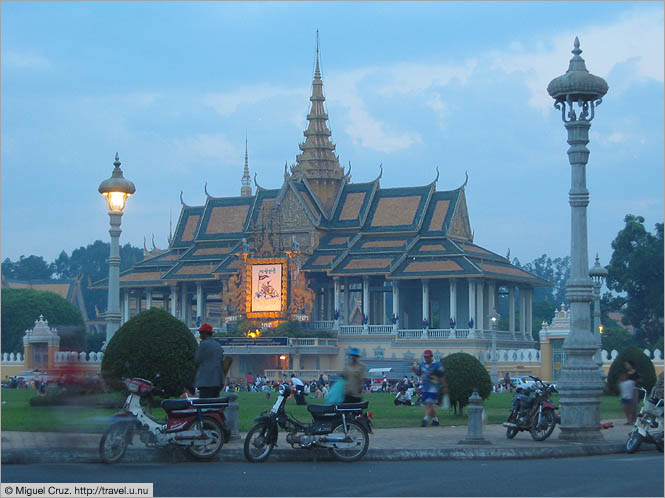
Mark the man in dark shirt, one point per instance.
(210, 360)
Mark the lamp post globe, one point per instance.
(577, 94)
(115, 190)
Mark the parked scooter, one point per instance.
(196, 423)
(342, 428)
(538, 415)
(648, 425)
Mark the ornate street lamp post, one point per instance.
(494, 321)
(580, 383)
(116, 190)
(598, 274)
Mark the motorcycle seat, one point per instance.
(211, 401)
(175, 404)
(346, 407)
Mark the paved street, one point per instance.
(614, 475)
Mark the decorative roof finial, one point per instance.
(437, 175)
(145, 247)
(181, 201)
(117, 162)
(154, 247)
(205, 189)
(466, 180)
(246, 188)
(317, 71)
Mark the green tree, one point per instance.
(636, 269)
(30, 268)
(616, 338)
(20, 309)
(464, 374)
(152, 345)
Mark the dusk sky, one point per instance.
(174, 86)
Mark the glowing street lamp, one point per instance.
(116, 190)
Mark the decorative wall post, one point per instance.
(598, 274)
(337, 302)
(365, 301)
(472, 308)
(511, 309)
(396, 305)
(580, 382)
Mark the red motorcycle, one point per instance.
(196, 423)
(538, 415)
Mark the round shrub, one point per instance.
(20, 309)
(465, 373)
(642, 364)
(153, 342)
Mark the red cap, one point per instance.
(206, 327)
(428, 352)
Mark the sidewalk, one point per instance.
(385, 444)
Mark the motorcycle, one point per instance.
(648, 425)
(342, 428)
(196, 423)
(538, 415)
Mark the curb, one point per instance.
(179, 455)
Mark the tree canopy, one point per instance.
(20, 309)
(636, 271)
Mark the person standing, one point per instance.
(299, 386)
(354, 374)
(210, 360)
(626, 391)
(434, 382)
(633, 375)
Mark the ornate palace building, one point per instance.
(391, 271)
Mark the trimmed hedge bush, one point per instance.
(465, 373)
(642, 363)
(152, 342)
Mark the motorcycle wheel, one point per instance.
(511, 432)
(359, 435)
(544, 430)
(114, 443)
(257, 446)
(634, 442)
(212, 428)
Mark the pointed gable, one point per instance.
(460, 227)
(397, 209)
(224, 218)
(188, 225)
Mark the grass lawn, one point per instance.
(18, 415)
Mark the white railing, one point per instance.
(511, 355)
(12, 358)
(319, 325)
(411, 333)
(72, 356)
(461, 333)
(351, 329)
(302, 342)
(380, 329)
(438, 333)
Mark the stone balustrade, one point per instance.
(12, 358)
(74, 357)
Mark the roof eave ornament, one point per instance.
(182, 202)
(205, 189)
(348, 173)
(466, 180)
(259, 187)
(380, 173)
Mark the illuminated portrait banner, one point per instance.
(266, 287)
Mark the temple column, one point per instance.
(183, 302)
(472, 307)
(174, 300)
(148, 298)
(199, 301)
(529, 316)
(347, 301)
(453, 299)
(480, 312)
(125, 306)
(491, 296)
(523, 312)
(337, 300)
(425, 286)
(511, 310)
(396, 304)
(139, 299)
(366, 299)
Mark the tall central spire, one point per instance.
(246, 188)
(318, 162)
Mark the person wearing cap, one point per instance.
(434, 382)
(354, 374)
(210, 360)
